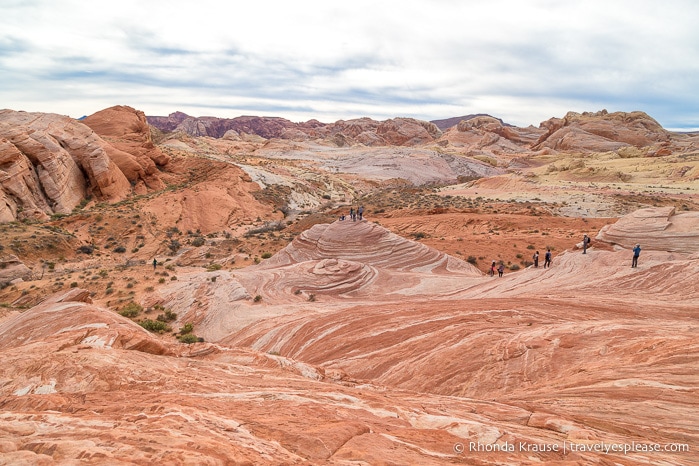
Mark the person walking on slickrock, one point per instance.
(360, 211)
(586, 243)
(492, 269)
(501, 269)
(536, 259)
(636, 253)
(547, 258)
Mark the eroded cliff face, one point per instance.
(130, 145)
(49, 163)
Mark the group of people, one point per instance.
(636, 251)
(355, 215)
(547, 258)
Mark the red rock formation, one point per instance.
(600, 131)
(127, 131)
(11, 269)
(50, 163)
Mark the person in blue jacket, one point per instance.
(636, 253)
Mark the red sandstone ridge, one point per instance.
(49, 163)
(601, 131)
(127, 131)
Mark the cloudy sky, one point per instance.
(523, 61)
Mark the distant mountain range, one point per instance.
(275, 127)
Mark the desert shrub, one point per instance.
(188, 338)
(198, 241)
(187, 328)
(419, 235)
(266, 255)
(257, 298)
(155, 326)
(267, 227)
(514, 267)
(131, 310)
(531, 246)
(86, 249)
(167, 316)
(213, 267)
(472, 260)
(120, 249)
(311, 297)
(174, 246)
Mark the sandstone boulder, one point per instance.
(11, 269)
(128, 132)
(656, 228)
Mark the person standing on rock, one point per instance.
(492, 269)
(547, 258)
(155, 263)
(536, 259)
(586, 243)
(352, 217)
(360, 211)
(501, 269)
(636, 253)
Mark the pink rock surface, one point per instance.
(405, 357)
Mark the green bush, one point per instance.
(188, 338)
(266, 255)
(258, 298)
(472, 260)
(131, 310)
(155, 326)
(187, 328)
(167, 316)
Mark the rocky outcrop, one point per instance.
(11, 269)
(600, 131)
(127, 131)
(655, 228)
(49, 163)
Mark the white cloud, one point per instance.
(521, 61)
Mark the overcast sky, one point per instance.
(523, 61)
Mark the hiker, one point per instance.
(492, 269)
(586, 243)
(636, 253)
(536, 259)
(547, 258)
(155, 263)
(501, 269)
(352, 217)
(360, 211)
